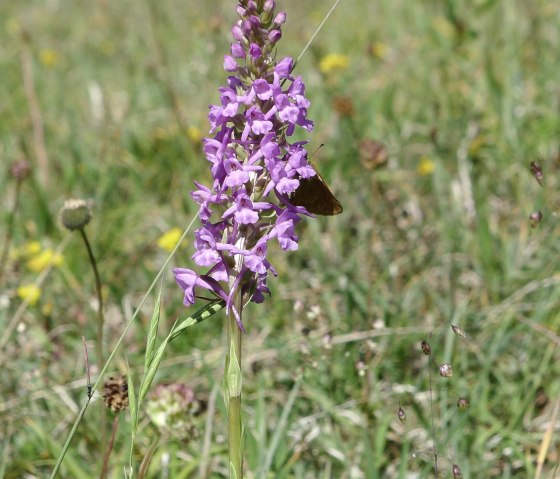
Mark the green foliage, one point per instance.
(463, 94)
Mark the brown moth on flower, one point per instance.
(316, 197)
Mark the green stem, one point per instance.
(100, 323)
(100, 317)
(232, 382)
(9, 230)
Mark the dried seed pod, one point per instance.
(535, 218)
(373, 154)
(457, 474)
(458, 331)
(115, 393)
(463, 403)
(445, 370)
(426, 349)
(401, 415)
(537, 172)
(344, 106)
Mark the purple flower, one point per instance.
(254, 166)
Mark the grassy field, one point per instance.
(107, 100)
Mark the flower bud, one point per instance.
(237, 32)
(280, 19)
(255, 51)
(75, 214)
(237, 50)
(230, 65)
(274, 36)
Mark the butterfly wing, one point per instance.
(316, 197)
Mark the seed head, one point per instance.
(20, 169)
(426, 348)
(401, 415)
(535, 218)
(463, 403)
(458, 331)
(115, 393)
(445, 370)
(373, 154)
(75, 214)
(173, 408)
(457, 474)
(537, 172)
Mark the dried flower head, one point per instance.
(344, 106)
(445, 370)
(20, 169)
(115, 393)
(537, 172)
(373, 154)
(172, 408)
(76, 214)
(463, 403)
(535, 218)
(401, 415)
(426, 348)
(457, 474)
(458, 331)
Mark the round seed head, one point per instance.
(75, 214)
(463, 403)
(535, 218)
(445, 370)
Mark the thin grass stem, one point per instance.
(9, 230)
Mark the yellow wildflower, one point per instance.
(167, 241)
(48, 57)
(380, 50)
(40, 261)
(194, 134)
(30, 293)
(47, 309)
(426, 166)
(31, 247)
(333, 61)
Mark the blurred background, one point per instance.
(431, 113)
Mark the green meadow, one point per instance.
(430, 113)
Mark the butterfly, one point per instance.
(316, 197)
